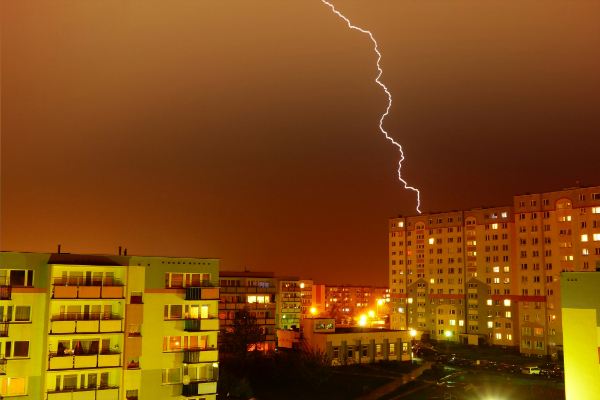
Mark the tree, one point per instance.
(242, 336)
(316, 369)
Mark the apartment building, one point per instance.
(256, 290)
(354, 300)
(306, 298)
(109, 327)
(491, 275)
(290, 302)
(581, 321)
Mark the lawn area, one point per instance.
(342, 386)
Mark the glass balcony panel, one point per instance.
(63, 326)
(89, 292)
(65, 292)
(84, 395)
(110, 325)
(84, 326)
(107, 394)
(65, 362)
(109, 360)
(86, 361)
(112, 292)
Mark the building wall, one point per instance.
(581, 334)
(495, 265)
(101, 318)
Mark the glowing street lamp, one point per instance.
(362, 322)
(313, 311)
(448, 334)
(371, 314)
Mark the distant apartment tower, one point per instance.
(306, 298)
(491, 275)
(581, 333)
(290, 301)
(80, 326)
(256, 290)
(354, 299)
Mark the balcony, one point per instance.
(87, 288)
(201, 324)
(5, 291)
(105, 359)
(207, 291)
(195, 356)
(86, 323)
(85, 393)
(199, 388)
(252, 306)
(290, 289)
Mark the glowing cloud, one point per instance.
(389, 103)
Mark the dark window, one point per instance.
(21, 349)
(17, 277)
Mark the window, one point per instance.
(21, 349)
(392, 349)
(20, 277)
(171, 375)
(22, 313)
(508, 314)
(13, 386)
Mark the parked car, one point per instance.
(531, 370)
(514, 369)
(547, 366)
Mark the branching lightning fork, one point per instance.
(389, 103)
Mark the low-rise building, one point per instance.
(353, 344)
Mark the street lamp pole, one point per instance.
(448, 334)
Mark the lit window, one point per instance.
(410, 300)
(506, 269)
(504, 215)
(596, 237)
(490, 324)
(508, 336)
(496, 269)
(499, 336)
(508, 314)
(461, 322)
(494, 226)
(431, 240)
(507, 302)
(584, 238)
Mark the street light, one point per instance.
(448, 334)
(313, 311)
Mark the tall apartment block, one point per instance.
(255, 290)
(491, 275)
(105, 327)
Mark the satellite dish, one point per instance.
(186, 379)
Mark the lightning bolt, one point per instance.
(389, 102)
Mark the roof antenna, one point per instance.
(59, 249)
(125, 252)
(119, 250)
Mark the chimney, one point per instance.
(59, 249)
(125, 252)
(119, 250)
(577, 183)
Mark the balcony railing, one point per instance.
(5, 291)
(291, 289)
(87, 288)
(66, 323)
(201, 324)
(104, 392)
(194, 356)
(4, 329)
(199, 388)
(3, 364)
(252, 306)
(247, 289)
(202, 293)
(83, 359)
